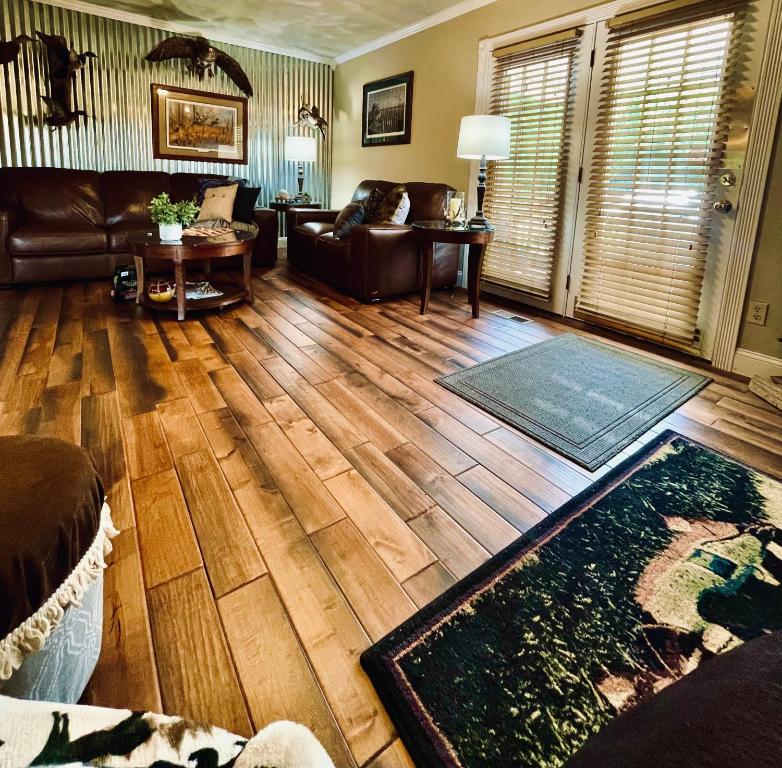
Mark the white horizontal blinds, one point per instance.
(661, 128)
(533, 86)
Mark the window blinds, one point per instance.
(662, 124)
(532, 85)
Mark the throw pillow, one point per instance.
(350, 216)
(371, 203)
(388, 207)
(244, 204)
(400, 214)
(218, 204)
(204, 184)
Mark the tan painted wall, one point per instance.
(445, 61)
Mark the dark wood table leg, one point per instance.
(247, 269)
(427, 262)
(139, 278)
(474, 269)
(181, 287)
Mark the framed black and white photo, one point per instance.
(387, 111)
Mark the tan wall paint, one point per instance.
(766, 278)
(445, 61)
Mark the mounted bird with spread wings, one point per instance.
(9, 49)
(202, 57)
(310, 117)
(64, 61)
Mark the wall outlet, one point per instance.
(758, 311)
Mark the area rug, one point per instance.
(584, 399)
(670, 559)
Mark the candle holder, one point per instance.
(454, 209)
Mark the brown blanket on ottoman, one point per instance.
(51, 501)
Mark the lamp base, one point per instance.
(479, 220)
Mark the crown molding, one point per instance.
(172, 26)
(465, 6)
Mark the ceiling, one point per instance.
(326, 28)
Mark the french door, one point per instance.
(631, 225)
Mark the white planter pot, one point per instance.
(170, 233)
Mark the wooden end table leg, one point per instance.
(181, 288)
(247, 268)
(427, 261)
(139, 278)
(474, 269)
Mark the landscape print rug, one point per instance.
(670, 559)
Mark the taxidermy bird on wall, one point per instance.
(64, 62)
(202, 57)
(9, 50)
(310, 117)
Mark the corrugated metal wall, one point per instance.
(115, 91)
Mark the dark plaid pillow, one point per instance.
(244, 203)
(350, 216)
(372, 202)
(387, 208)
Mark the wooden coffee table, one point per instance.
(147, 246)
(437, 231)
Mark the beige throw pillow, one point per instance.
(218, 204)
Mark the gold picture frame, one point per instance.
(198, 125)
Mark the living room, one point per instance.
(387, 387)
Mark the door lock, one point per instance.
(723, 206)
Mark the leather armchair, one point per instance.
(8, 219)
(376, 260)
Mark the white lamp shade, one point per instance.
(481, 135)
(301, 149)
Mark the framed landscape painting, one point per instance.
(197, 125)
(387, 111)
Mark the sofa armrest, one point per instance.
(8, 219)
(265, 247)
(296, 216)
(384, 259)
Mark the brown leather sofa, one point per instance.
(375, 261)
(62, 224)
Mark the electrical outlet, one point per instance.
(758, 311)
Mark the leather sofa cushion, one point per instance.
(58, 238)
(54, 195)
(126, 195)
(184, 186)
(314, 229)
(332, 260)
(426, 200)
(118, 235)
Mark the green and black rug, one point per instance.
(672, 558)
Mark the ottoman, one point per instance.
(55, 532)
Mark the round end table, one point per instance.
(438, 231)
(148, 246)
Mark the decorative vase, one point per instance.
(170, 233)
(161, 291)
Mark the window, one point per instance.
(661, 127)
(533, 85)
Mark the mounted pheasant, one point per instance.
(202, 57)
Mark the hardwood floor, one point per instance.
(291, 484)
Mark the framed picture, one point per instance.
(387, 111)
(196, 125)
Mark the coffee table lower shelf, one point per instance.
(232, 294)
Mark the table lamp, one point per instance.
(301, 149)
(483, 137)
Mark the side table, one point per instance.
(282, 206)
(437, 231)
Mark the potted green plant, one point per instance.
(171, 217)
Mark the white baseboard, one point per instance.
(749, 363)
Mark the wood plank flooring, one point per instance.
(291, 484)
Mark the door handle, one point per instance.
(723, 206)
